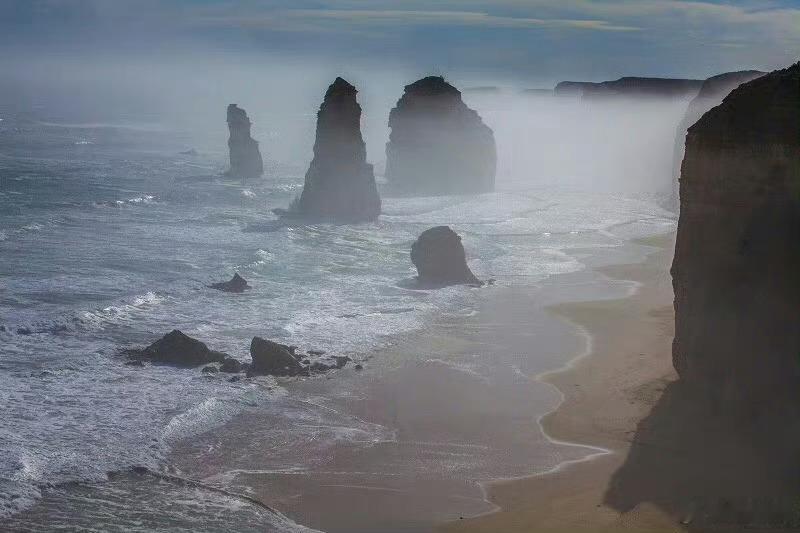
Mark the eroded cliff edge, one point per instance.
(736, 271)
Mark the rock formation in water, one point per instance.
(271, 358)
(712, 92)
(340, 184)
(176, 348)
(440, 259)
(736, 272)
(245, 157)
(631, 87)
(236, 284)
(437, 144)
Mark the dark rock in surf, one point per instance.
(736, 271)
(440, 259)
(340, 184)
(245, 157)
(230, 366)
(236, 284)
(438, 145)
(711, 94)
(272, 358)
(210, 369)
(177, 349)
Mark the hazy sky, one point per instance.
(530, 40)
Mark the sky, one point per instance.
(536, 42)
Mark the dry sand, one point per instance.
(606, 394)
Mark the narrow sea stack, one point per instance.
(736, 272)
(340, 184)
(713, 91)
(438, 145)
(440, 259)
(245, 158)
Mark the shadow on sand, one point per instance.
(711, 474)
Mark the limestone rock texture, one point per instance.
(245, 157)
(736, 271)
(440, 259)
(340, 184)
(438, 145)
(711, 94)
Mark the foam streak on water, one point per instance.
(112, 244)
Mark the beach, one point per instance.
(606, 394)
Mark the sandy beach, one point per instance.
(606, 394)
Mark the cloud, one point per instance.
(342, 19)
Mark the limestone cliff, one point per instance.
(736, 272)
(340, 184)
(245, 158)
(437, 144)
(712, 92)
(631, 86)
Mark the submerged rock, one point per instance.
(736, 272)
(245, 158)
(176, 348)
(231, 366)
(271, 358)
(711, 94)
(236, 284)
(437, 144)
(440, 259)
(340, 184)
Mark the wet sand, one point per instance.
(457, 404)
(606, 395)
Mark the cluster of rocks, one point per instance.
(268, 358)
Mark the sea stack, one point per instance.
(736, 272)
(440, 259)
(340, 184)
(438, 145)
(245, 157)
(713, 91)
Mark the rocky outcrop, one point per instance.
(736, 272)
(440, 259)
(437, 144)
(340, 184)
(245, 157)
(236, 284)
(631, 87)
(177, 349)
(712, 92)
(271, 358)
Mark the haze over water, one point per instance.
(109, 236)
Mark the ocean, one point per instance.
(109, 236)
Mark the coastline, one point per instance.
(605, 394)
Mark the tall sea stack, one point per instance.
(712, 92)
(340, 184)
(736, 272)
(244, 154)
(438, 145)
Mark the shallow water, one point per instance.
(109, 238)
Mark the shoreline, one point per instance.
(569, 496)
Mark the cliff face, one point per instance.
(712, 92)
(736, 272)
(438, 145)
(245, 157)
(340, 184)
(631, 87)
